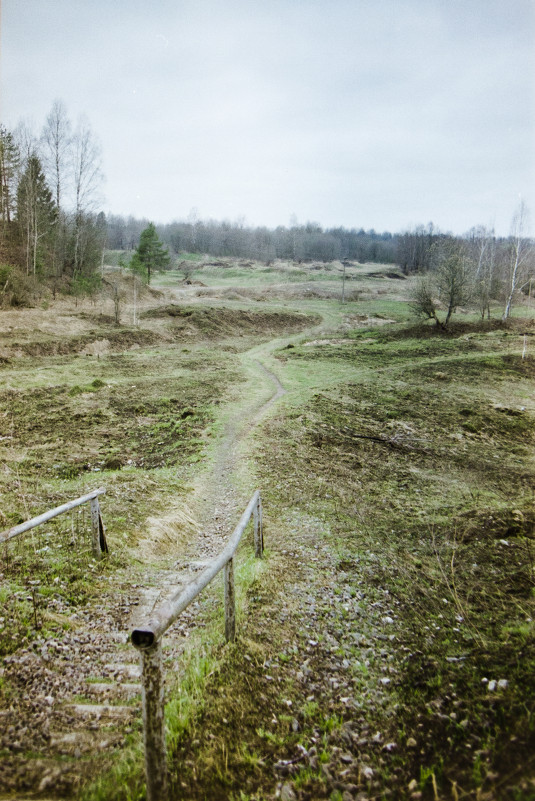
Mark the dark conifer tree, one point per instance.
(151, 252)
(36, 214)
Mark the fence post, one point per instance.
(95, 528)
(153, 723)
(258, 536)
(230, 605)
(147, 641)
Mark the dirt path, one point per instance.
(77, 697)
(215, 504)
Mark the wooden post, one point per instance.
(147, 639)
(95, 528)
(230, 602)
(258, 538)
(153, 723)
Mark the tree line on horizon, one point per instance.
(472, 269)
(53, 233)
(299, 243)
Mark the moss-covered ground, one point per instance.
(386, 644)
(388, 650)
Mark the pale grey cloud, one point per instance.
(376, 113)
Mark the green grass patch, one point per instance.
(424, 468)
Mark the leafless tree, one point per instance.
(519, 265)
(87, 178)
(56, 142)
(56, 139)
(447, 288)
(481, 249)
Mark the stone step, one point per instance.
(125, 689)
(99, 711)
(133, 671)
(82, 742)
(118, 636)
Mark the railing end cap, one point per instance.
(143, 638)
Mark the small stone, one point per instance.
(413, 784)
(492, 686)
(502, 684)
(411, 743)
(287, 793)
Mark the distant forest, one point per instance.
(308, 242)
(53, 233)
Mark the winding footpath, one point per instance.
(78, 697)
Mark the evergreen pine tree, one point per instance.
(36, 214)
(151, 252)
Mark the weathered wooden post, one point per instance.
(230, 602)
(95, 528)
(154, 723)
(147, 640)
(258, 537)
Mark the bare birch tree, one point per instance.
(481, 244)
(520, 262)
(87, 178)
(56, 141)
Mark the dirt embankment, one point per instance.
(40, 333)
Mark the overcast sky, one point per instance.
(361, 113)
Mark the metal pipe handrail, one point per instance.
(147, 639)
(36, 521)
(99, 544)
(167, 613)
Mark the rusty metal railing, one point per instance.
(99, 545)
(147, 639)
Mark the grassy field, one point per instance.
(398, 472)
(386, 648)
